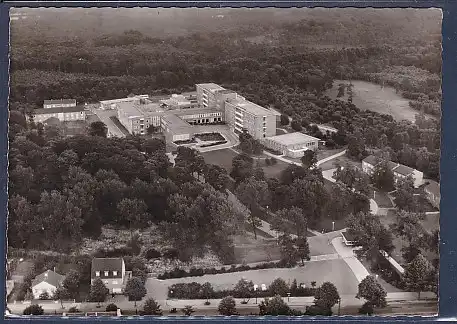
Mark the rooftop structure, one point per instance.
(292, 144)
(50, 277)
(58, 103)
(212, 87)
(251, 107)
(293, 138)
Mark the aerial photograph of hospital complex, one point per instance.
(184, 162)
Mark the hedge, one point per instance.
(194, 290)
(198, 272)
(213, 144)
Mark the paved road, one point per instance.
(401, 301)
(348, 255)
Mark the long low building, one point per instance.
(62, 113)
(400, 171)
(293, 144)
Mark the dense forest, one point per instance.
(286, 61)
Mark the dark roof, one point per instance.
(107, 264)
(395, 167)
(370, 160)
(403, 170)
(45, 111)
(50, 277)
(59, 101)
(348, 236)
(433, 187)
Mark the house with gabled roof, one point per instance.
(112, 273)
(46, 282)
(400, 171)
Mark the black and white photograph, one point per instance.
(223, 161)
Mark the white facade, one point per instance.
(293, 144)
(42, 287)
(62, 116)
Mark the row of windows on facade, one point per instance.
(106, 273)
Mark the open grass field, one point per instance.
(222, 158)
(335, 271)
(383, 100)
(342, 160)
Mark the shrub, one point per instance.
(227, 306)
(366, 309)
(113, 253)
(34, 309)
(171, 254)
(44, 296)
(207, 303)
(151, 307)
(73, 310)
(188, 310)
(152, 254)
(111, 308)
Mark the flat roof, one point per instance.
(210, 86)
(47, 111)
(59, 101)
(292, 138)
(251, 107)
(175, 123)
(134, 109)
(403, 170)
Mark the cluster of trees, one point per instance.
(413, 144)
(85, 182)
(249, 145)
(420, 252)
(244, 289)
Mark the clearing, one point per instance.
(371, 96)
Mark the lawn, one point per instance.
(335, 271)
(370, 96)
(222, 158)
(274, 171)
(324, 153)
(382, 199)
(342, 160)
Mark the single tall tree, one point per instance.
(372, 291)
(326, 296)
(309, 159)
(98, 291)
(303, 249)
(135, 289)
(151, 307)
(275, 306)
(417, 275)
(98, 128)
(227, 306)
(244, 289)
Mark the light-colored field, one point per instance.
(370, 96)
(335, 271)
